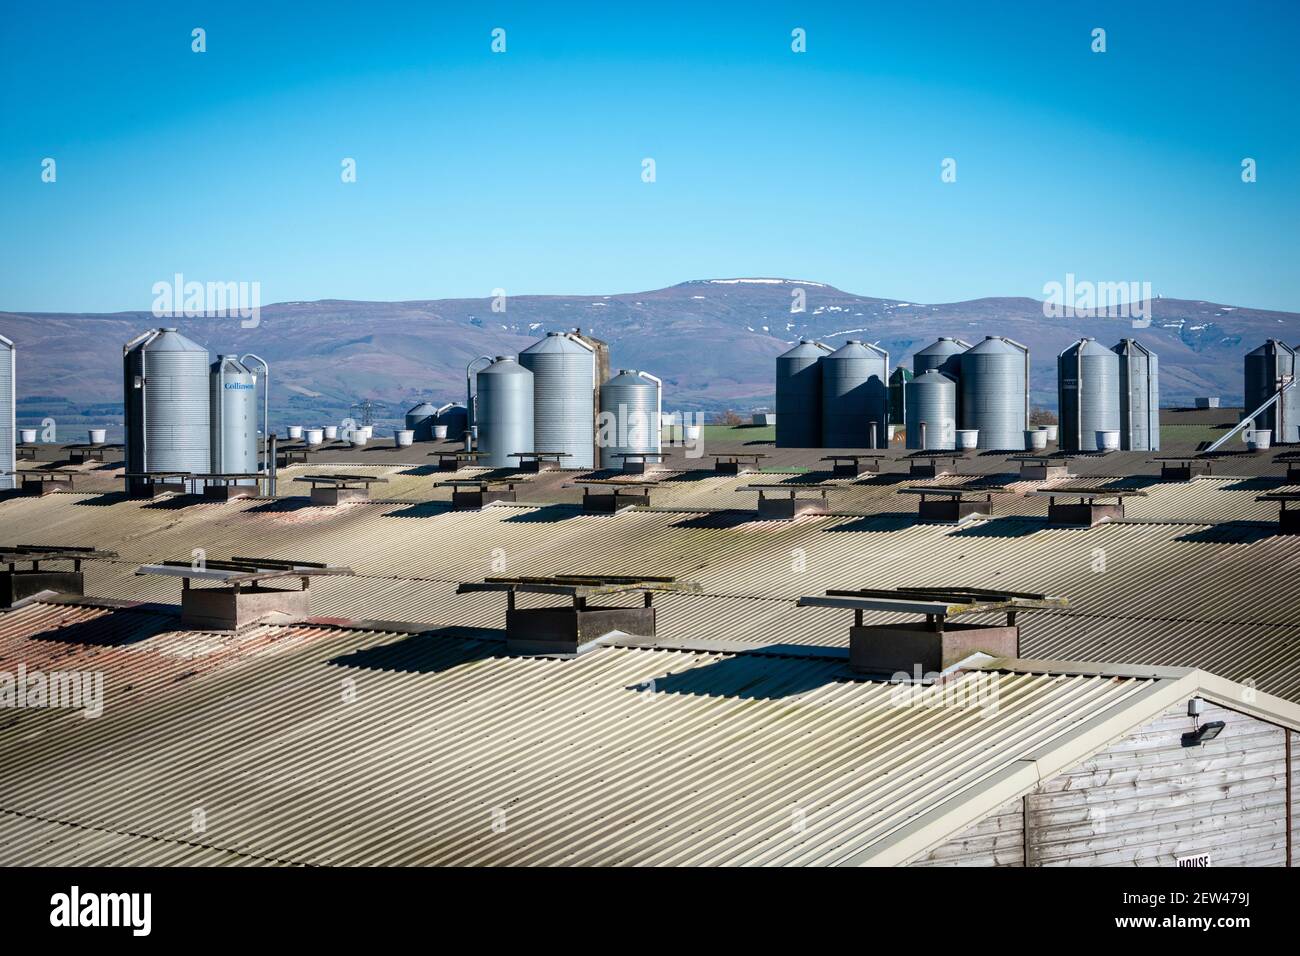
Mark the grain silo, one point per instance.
(564, 394)
(504, 409)
(855, 396)
(630, 410)
(898, 380)
(8, 414)
(456, 419)
(1087, 390)
(601, 350)
(799, 395)
(165, 395)
(232, 400)
(1266, 367)
(420, 420)
(943, 355)
(994, 393)
(932, 412)
(1139, 396)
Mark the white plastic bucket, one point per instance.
(359, 439)
(1051, 432)
(27, 436)
(968, 438)
(331, 432)
(295, 431)
(97, 435)
(314, 436)
(367, 430)
(440, 432)
(1035, 439)
(1107, 441)
(403, 437)
(1261, 439)
(690, 433)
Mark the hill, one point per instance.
(713, 341)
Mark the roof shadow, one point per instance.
(883, 478)
(421, 509)
(725, 518)
(104, 500)
(749, 675)
(176, 502)
(695, 474)
(117, 629)
(1230, 532)
(881, 521)
(1006, 526)
(1257, 483)
(1139, 481)
(281, 505)
(429, 652)
(546, 514)
(797, 479)
(423, 470)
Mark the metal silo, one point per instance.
(855, 393)
(1139, 396)
(421, 420)
(898, 380)
(799, 395)
(232, 399)
(165, 382)
(943, 355)
(932, 402)
(994, 393)
(1087, 390)
(8, 415)
(504, 405)
(1266, 366)
(630, 407)
(455, 417)
(564, 397)
(601, 350)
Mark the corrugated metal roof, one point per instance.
(717, 763)
(621, 756)
(1163, 583)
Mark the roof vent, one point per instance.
(569, 631)
(1092, 507)
(916, 649)
(19, 583)
(243, 596)
(1288, 519)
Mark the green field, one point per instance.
(736, 433)
(1195, 434)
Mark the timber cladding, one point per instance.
(1148, 801)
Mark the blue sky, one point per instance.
(522, 170)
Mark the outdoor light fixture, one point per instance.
(1203, 732)
(1194, 738)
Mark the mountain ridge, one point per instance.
(713, 341)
